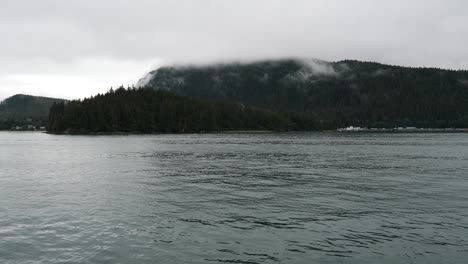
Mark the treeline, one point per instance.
(21, 123)
(336, 94)
(151, 111)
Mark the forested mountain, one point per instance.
(151, 111)
(23, 110)
(335, 94)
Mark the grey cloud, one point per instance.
(398, 31)
(414, 33)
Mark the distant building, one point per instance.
(350, 129)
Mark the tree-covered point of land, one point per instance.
(274, 95)
(152, 111)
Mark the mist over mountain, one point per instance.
(334, 93)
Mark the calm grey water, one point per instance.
(275, 198)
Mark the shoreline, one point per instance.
(404, 130)
(122, 133)
(259, 132)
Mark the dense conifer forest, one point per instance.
(278, 95)
(335, 94)
(150, 111)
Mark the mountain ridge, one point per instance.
(346, 92)
(22, 111)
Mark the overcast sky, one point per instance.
(74, 49)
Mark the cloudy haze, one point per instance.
(74, 49)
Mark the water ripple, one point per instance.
(275, 198)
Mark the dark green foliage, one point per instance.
(151, 111)
(23, 110)
(337, 94)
